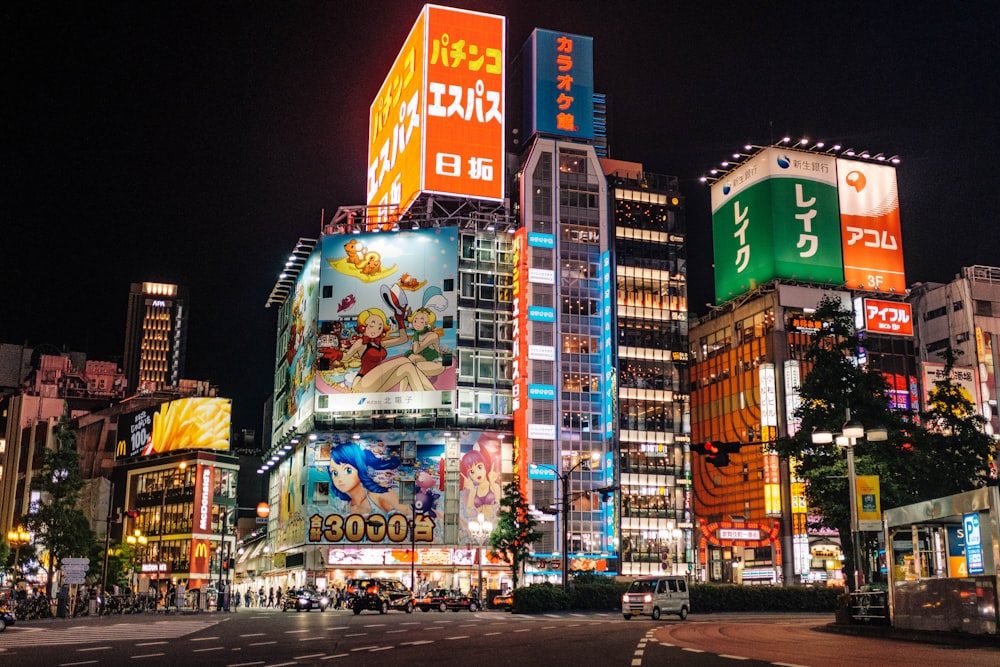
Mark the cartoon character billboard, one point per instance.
(300, 348)
(387, 311)
(480, 469)
(365, 488)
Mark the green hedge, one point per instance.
(601, 594)
(706, 598)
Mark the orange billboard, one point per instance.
(869, 227)
(437, 123)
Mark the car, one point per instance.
(433, 599)
(457, 601)
(504, 601)
(6, 618)
(381, 595)
(304, 599)
(654, 596)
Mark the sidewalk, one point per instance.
(956, 639)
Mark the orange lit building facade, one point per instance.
(747, 358)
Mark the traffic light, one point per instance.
(132, 514)
(716, 452)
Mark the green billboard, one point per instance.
(776, 216)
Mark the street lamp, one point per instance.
(563, 479)
(480, 529)
(852, 431)
(178, 472)
(18, 538)
(137, 540)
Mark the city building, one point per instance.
(964, 315)
(391, 420)
(791, 226)
(155, 336)
(29, 416)
(653, 420)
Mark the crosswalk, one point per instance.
(17, 636)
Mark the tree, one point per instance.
(516, 530)
(59, 525)
(952, 454)
(834, 387)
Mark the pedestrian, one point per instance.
(277, 596)
(270, 597)
(248, 598)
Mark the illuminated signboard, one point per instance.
(806, 216)
(768, 395)
(776, 216)
(519, 362)
(187, 423)
(203, 490)
(889, 317)
(559, 75)
(437, 123)
(350, 479)
(607, 368)
(386, 333)
(963, 377)
(870, 229)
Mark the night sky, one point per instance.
(193, 143)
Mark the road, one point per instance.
(271, 638)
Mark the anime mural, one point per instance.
(386, 333)
(480, 485)
(288, 528)
(365, 489)
(300, 349)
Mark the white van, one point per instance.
(655, 595)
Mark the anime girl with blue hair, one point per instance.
(353, 476)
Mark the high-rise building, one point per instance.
(653, 420)
(790, 227)
(155, 336)
(564, 349)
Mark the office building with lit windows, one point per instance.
(155, 336)
(654, 424)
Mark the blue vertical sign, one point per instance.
(559, 74)
(973, 543)
(607, 367)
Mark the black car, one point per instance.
(381, 595)
(457, 601)
(6, 618)
(433, 599)
(304, 599)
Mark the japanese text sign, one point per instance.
(870, 229)
(559, 72)
(888, 317)
(437, 123)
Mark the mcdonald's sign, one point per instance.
(200, 559)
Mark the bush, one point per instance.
(707, 598)
(605, 594)
(540, 597)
